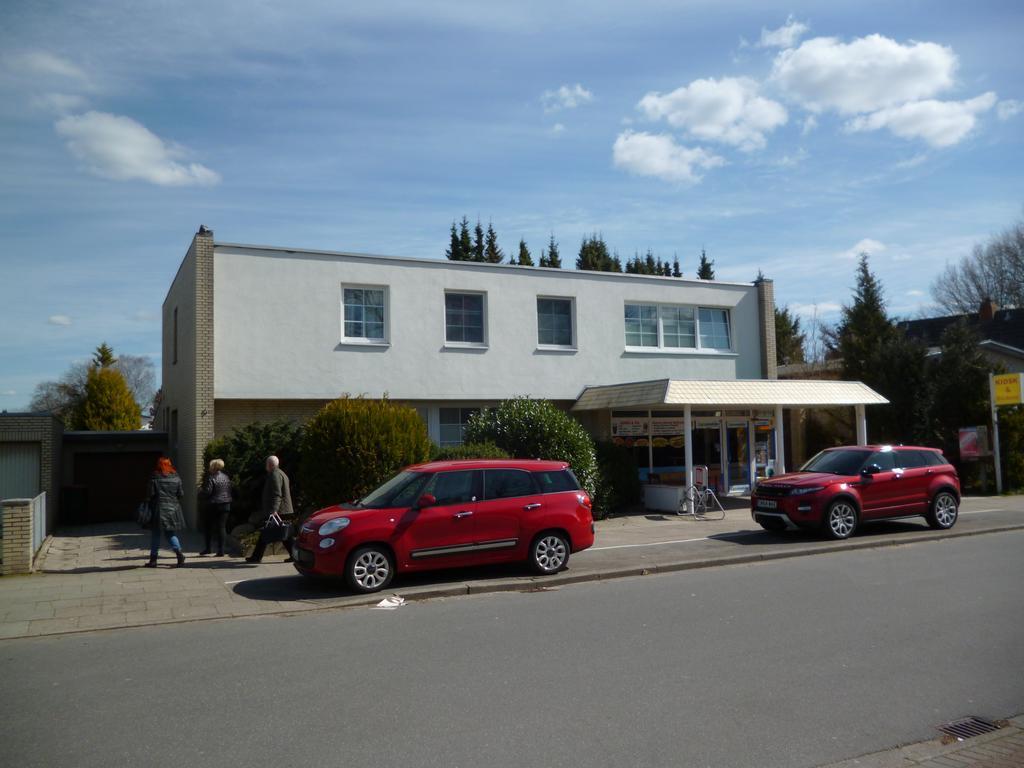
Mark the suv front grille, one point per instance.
(772, 491)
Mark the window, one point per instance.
(507, 484)
(365, 313)
(641, 325)
(464, 318)
(556, 482)
(910, 459)
(714, 328)
(174, 358)
(672, 327)
(452, 487)
(554, 322)
(934, 458)
(883, 459)
(453, 424)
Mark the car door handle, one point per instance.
(460, 515)
(528, 507)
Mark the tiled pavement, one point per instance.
(1000, 749)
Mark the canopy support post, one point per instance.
(780, 442)
(862, 424)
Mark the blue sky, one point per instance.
(779, 137)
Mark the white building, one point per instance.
(255, 333)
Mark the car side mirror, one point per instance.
(871, 469)
(426, 500)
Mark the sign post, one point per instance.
(1004, 389)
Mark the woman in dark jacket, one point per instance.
(217, 492)
(165, 495)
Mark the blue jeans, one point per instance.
(154, 541)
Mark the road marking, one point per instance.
(981, 511)
(239, 581)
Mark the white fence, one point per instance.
(38, 522)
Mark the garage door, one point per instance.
(19, 470)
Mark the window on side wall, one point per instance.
(555, 322)
(453, 423)
(673, 327)
(464, 321)
(714, 329)
(364, 319)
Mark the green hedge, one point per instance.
(353, 445)
(537, 429)
(620, 482)
(468, 451)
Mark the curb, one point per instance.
(540, 583)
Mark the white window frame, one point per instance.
(697, 348)
(460, 408)
(363, 340)
(444, 319)
(571, 346)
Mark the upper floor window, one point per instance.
(464, 318)
(554, 322)
(669, 326)
(365, 314)
(174, 350)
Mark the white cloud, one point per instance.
(565, 97)
(915, 292)
(45, 64)
(865, 75)
(59, 320)
(867, 245)
(912, 162)
(558, 128)
(1008, 108)
(59, 103)
(940, 123)
(727, 110)
(117, 147)
(809, 124)
(646, 154)
(783, 37)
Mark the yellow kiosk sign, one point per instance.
(1006, 389)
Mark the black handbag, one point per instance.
(275, 529)
(144, 515)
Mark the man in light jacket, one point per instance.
(276, 504)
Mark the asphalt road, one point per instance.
(790, 663)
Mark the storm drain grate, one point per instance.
(968, 728)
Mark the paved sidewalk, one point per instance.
(92, 578)
(1000, 749)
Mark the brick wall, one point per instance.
(17, 540)
(766, 322)
(48, 432)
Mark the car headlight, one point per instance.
(333, 526)
(805, 491)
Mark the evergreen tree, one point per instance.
(706, 269)
(454, 252)
(863, 327)
(616, 263)
(108, 404)
(554, 259)
(492, 253)
(525, 259)
(666, 270)
(649, 265)
(960, 379)
(103, 357)
(478, 243)
(594, 255)
(789, 339)
(676, 272)
(465, 243)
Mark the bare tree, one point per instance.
(139, 375)
(62, 397)
(994, 271)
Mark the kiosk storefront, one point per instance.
(735, 428)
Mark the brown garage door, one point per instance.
(113, 483)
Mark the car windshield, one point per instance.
(400, 491)
(837, 462)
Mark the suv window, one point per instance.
(910, 459)
(507, 483)
(451, 487)
(883, 459)
(557, 481)
(934, 459)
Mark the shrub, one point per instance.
(620, 483)
(245, 452)
(107, 403)
(537, 429)
(467, 451)
(353, 445)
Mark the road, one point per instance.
(790, 663)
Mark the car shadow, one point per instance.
(866, 531)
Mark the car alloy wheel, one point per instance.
(549, 553)
(944, 511)
(841, 520)
(370, 569)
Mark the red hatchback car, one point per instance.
(840, 488)
(448, 514)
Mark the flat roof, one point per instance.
(747, 393)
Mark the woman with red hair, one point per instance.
(165, 494)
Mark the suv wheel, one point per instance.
(369, 569)
(840, 519)
(549, 553)
(943, 511)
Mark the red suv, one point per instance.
(448, 514)
(840, 488)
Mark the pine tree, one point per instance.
(525, 259)
(616, 263)
(103, 357)
(594, 255)
(465, 243)
(492, 253)
(676, 272)
(477, 254)
(667, 269)
(649, 265)
(789, 339)
(108, 404)
(706, 269)
(454, 252)
(554, 259)
(864, 325)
